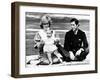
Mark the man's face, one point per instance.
(74, 26)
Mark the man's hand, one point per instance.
(71, 55)
(79, 51)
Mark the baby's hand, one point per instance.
(57, 41)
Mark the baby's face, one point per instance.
(49, 33)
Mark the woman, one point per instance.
(45, 25)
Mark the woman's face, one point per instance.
(46, 26)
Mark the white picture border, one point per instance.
(54, 69)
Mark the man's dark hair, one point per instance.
(75, 20)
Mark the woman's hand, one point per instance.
(42, 42)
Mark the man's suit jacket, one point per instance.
(75, 42)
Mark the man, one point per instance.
(76, 42)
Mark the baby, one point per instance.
(49, 46)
